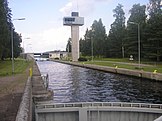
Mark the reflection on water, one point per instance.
(75, 84)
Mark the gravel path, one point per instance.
(11, 90)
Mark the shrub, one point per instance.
(56, 58)
(82, 59)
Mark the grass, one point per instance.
(19, 67)
(125, 63)
(17, 81)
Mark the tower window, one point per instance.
(69, 19)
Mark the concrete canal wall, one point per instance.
(25, 109)
(35, 91)
(136, 73)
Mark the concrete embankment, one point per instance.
(136, 73)
(25, 109)
(39, 91)
(35, 91)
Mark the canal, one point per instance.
(76, 84)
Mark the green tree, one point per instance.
(68, 46)
(117, 33)
(94, 40)
(138, 16)
(17, 41)
(5, 33)
(153, 45)
(5, 30)
(85, 44)
(99, 37)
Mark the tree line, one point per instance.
(6, 29)
(122, 39)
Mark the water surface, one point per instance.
(76, 84)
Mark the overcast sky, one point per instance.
(44, 19)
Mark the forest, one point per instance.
(7, 33)
(144, 22)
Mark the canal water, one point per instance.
(76, 84)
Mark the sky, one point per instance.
(43, 30)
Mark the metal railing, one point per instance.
(45, 105)
(45, 79)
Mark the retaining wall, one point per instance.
(136, 73)
(25, 109)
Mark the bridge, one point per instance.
(39, 54)
(97, 111)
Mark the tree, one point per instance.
(85, 44)
(6, 24)
(117, 33)
(99, 37)
(5, 33)
(138, 15)
(94, 40)
(17, 41)
(153, 45)
(68, 46)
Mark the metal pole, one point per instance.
(139, 48)
(92, 48)
(23, 51)
(12, 50)
(12, 39)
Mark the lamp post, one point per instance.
(92, 48)
(90, 38)
(23, 43)
(24, 46)
(139, 48)
(12, 39)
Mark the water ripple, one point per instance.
(75, 84)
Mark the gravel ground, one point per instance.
(11, 91)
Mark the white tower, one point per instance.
(74, 21)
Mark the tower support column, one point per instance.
(75, 42)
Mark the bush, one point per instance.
(56, 58)
(82, 59)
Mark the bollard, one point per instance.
(30, 72)
(155, 71)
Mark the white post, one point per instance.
(83, 114)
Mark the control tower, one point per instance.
(74, 21)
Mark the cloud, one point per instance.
(83, 6)
(102, 0)
(48, 40)
(66, 9)
(56, 38)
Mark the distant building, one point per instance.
(58, 55)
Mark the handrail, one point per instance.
(45, 79)
(99, 104)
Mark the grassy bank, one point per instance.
(19, 67)
(12, 86)
(125, 63)
(10, 82)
